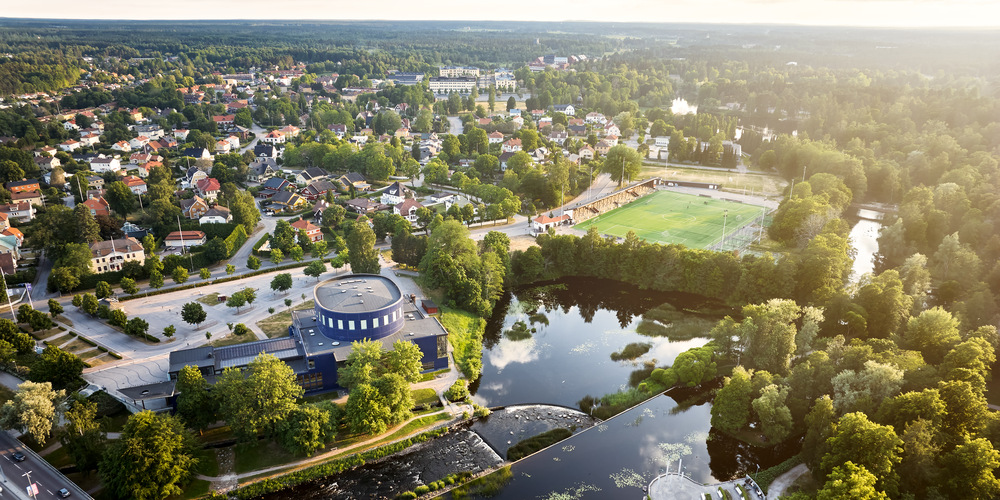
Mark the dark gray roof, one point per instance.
(398, 189)
(286, 197)
(146, 392)
(275, 183)
(197, 356)
(242, 354)
(356, 293)
(265, 149)
(353, 177)
(320, 186)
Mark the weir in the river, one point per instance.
(474, 447)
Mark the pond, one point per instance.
(573, 328)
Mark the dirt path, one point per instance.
(785, 480)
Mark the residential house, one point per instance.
(511, 146)
(395, 193)
(338, 129)
(537, 113)
(586, 152)
(21, 211)
(318, 208)
(285, 201)
(566, 109)
(109, 256)
(122, 146)
(208, 188)
(216, 215)
(495, 137)
(612, 140)
(234, 143)
(95, 181)
(98, 206)
(148, 167)
(602, 147)
(312, 231)
(274, 137)
(143, 158)
(90, 139)
(135, 184)
(198, 153)
(34, 198)
(222, 147)
(407, 209)
(545, 121)
(261, 169)
(224, 121)
(353, 179)
(364, 206)
(265, 151)
(273, 186)
(181, 134)
(193, 176)
(612, 129)
(518, 120)
(194, 208)
(70, 145)
(8, 262)
(577, 129)
(309, 175)
(184, 239)
(47, 163)
(596, 119)
(504, 157)
(103, 164)
(138, 142)
(318, 189)
(402, 133)
(23, 185)
(559, 137)
(289, 131)
(153, 132)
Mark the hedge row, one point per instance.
(767, 476)
(115, 355)
(216, 281)
(337, 466)
(23, 276)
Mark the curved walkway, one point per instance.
(333, 452)
(782, 482)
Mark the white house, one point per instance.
(566, 109)
(495, 137)
(234, 142)
(512, 146)
(179, 239)
(407, 209)
(138, 142)
(103, 164)
(216, 215)
(612, 129)
(395, 194)
(274, 137)
(596, 118)
(70, 145)
(122, 146)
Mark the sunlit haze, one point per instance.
(891, 13)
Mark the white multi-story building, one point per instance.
(458, 71)
(461, 84)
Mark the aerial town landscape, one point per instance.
(541, 259)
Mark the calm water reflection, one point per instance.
(578, 324)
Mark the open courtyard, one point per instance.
(670, 217)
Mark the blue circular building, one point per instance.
(358, 306)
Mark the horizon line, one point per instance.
(991, 27)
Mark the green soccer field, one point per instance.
(669, 217)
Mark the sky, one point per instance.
(888, 13)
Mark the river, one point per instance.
(864, 240)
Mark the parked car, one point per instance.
(18, 456)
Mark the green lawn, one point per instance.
(668, 217)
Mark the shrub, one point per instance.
(458, 391)
(422, 489)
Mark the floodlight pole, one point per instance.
(725, 215)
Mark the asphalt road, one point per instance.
(48, 479)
